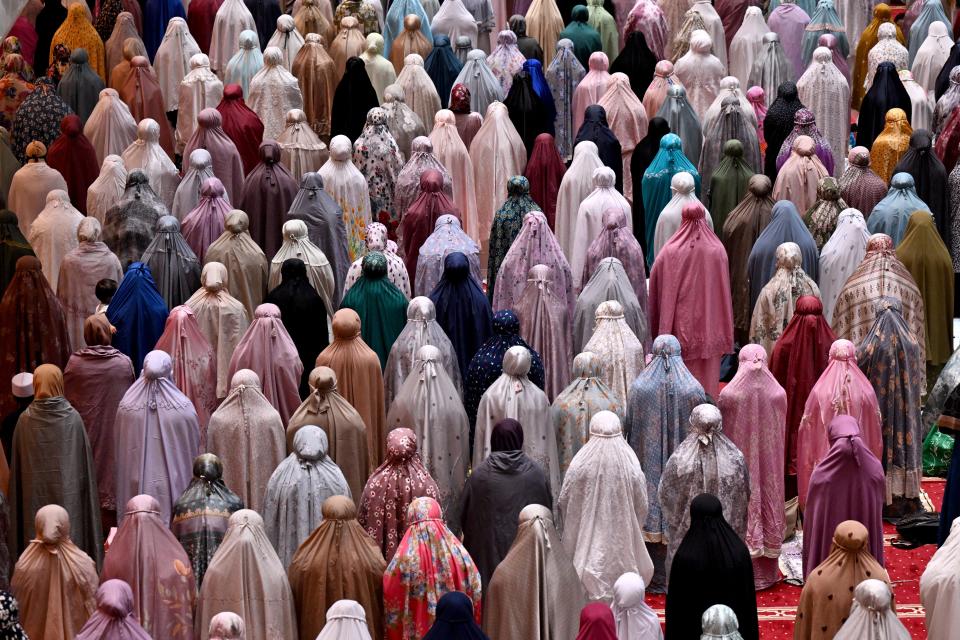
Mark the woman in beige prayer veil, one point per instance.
(54, 581)
(619, 349)
(535, 591)
(576, 185)
(778, 297)
(349, 43)
(296, 244)
(247, 434)
(273, 92)
(247, 266)
(545, 321)
(544, 23)
(246, 576)
(419, 92)
(222, 319)
(301, 149)
(346, 432)
(628, 121)
(410, 41)
(110, 127)
(449, 149)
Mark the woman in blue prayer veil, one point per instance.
(156, 15)
(534, 69)
(825, 20)
(443, 67)
(138, 312)
(786, 225)
(668, 162)
(393, 21)
(463, 311)
(891, 215)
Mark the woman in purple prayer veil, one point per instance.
(805, 124)
(113, 619)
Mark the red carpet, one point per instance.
(777, 605)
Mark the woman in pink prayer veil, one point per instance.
(754, 408)
(227, 164)
(194, 363)
(114, 619)
(267, 350)
(545, 321)
(841, 390)
(449, 149)
(202, 226)
(145, 555)
(617, 241)
(592, 87)
(690, 297)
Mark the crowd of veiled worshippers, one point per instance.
(408, 320)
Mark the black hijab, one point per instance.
(595, 129)
(527, 111)
(443, 67)
(265, 14)
(642, 157)
(778, 123)
(455, 619)
(507, 435)
(637, 61)
(354, 97)
(48, 21)
(528, 45)
(943, 78)
(887, 92)
(711, 566)
(301, 309)
(929, 178)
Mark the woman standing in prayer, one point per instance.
(700, 72)
(324, 221)
(247, 266)
(447, 237)
(628, 121)
(683, 121)
(730, 181)
(205, 223)
(377, 156)
(824, 91)
(138, 312)
(273, 92)
(564, 75)
(755, 407)
(246, 575)
(840, 256)
(931, 55)
(891, 144)
(64, 477)
(379, 304)
(201, 512)
(800, 175)
(74, 157)
(746, 44)
(199, 91)
(13, 246)
(616, 240)
(546, 170)
(886, 94)
(822, 217)
(296, 491)
(357, 576)
(30, 185)
(506, 60)
(576, 185)
(849, 561)
(114, 614)
(668, 162)
(412, 36)
(545, 318)
(929, 176)
(865, 42)
(590, 219)
(842, 389)
(403, 122)
(462, 310)
(145, 555)
(938, 587)
(194, 363)
(785, 225)
(269, 189)
(711, 546)
(779, 123)
(872, 610)
(892, 214)
(344, 182)
(248, 434)
(777, 299)
(671, 273)
(379, 70)
(620, 350)
(54, 579)
(421, 218)
(187, 195)
(421, 329)
(377, 241)
(107, 189)
(635, 619)
(227, 164)
(157, 464)
(315, 71)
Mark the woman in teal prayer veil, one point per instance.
(382, 307)
(668, 162)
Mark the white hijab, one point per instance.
(590, 218)
(747, 44)
(618, 347)
(577, 184)
(634, 617)
(200, 89)
(454, 20)
(29, 188)
(296, 244)
(172, 60)
(110, 127)
(146, 154)
(920, 99)
(232, 18)
(107, 188)
(940, 588)
(931, 56)
(347, 185)
(871, 617)
(188, 191)
(274, 92)
(840, 257)
(301, 149)
(54, 233)
(682, 187)
(346, 620)
(419, 92)
(824, 90)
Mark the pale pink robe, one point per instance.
(700, 72)
(591, 88)
(647, 18)
(754, 408)
(202, 226)
(656, 93)
(627, 119)
(449, 149)
(590, 217)
(842, 389)
(714, 24)
(110, 127)
(267, 350)
(800, 175)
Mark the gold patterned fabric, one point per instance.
(870, 37)
(891, 144)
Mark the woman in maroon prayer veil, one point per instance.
(200, 18)
(268, 192)
(34, 327)
(241, 124)
(74, 157)
(420, 219)
(799, 357)
(545, 170)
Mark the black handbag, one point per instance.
(916, 530)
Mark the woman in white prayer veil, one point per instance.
(421, 329)
(479, 79)
(287, 39)
(713, 25)
(608, 282)
(345, 184)
(232, 18)
(823, 89)
(590, 218)
(274, 92)
(771, 67)
(454, 19)
(729, 86)
(245, 62)
(53, 233)
(110, 127)
(931, 56)
(199, 90)
(107, 188)
(872, 616)
(172, 61)
(634, 617)
(618, 347)
(682, 186)
(146, 154)
(188, 191)
(921, 101)
(449, 149)
(379, 69)
(747, 44)
(429, 403)
(603, 505)
(418, 89)
(887, 49)
(940, 588)
(840, 257)
(301, 149)
(346, 620)
(404, 123)
(296, 244)
(576, 184)
(700, 72)
(447, 237)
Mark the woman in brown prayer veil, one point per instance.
(346, 432)
(357, 368)
(34, 327)
(146, 555)
(95, 379)
(535, 591)
(247, 266)
(64, 474)
(338, 561)
(54, 581)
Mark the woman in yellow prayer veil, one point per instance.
(77, 32)
(870, 37)
(891, 144)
